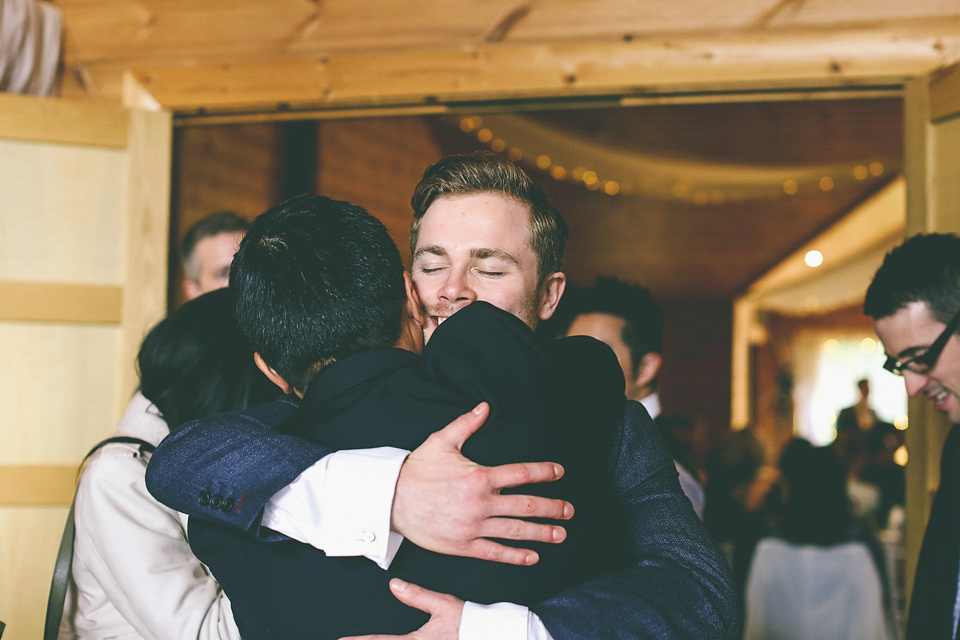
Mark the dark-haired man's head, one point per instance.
(207, 249)
(316, 280)
(914, 300)
(626, 318)
(483, 230)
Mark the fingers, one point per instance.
(514, 475)
(418, 597)
(517, 506)
(512, 529)
(497, 552)
(457, 432)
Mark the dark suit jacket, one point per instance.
(935, 584)
(562, 403)
(677, 584)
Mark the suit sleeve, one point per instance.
(678, 584)
(225, 469)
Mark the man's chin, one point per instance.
(950, 408)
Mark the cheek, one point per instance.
(505, 297)
(424, 290)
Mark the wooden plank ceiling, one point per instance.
(255, 55)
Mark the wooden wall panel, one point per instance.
(31, 537)
(695, 375)
(62, 212)
(376, 163)
(233, 168)
(68, 404)
(83, 223)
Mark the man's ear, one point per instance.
(272, 375)
(414, 308)
(648, 369)
(190, 289)
(550, 293)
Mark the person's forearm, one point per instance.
(341, 505)
(676, 583)
(226, 468)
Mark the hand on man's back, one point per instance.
(450, 505)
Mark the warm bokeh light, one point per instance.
(813, 258)
(790, 187)
(484, 135)
(469, 124)
(860, 172)
(826, 183)
(831, 346)
(558, 172)
(900, 456)
(544, 162)
(611, 188)
(498, 145)
(901, 422)
(876, 169)
(868, 345)
(577, 173)
(515, 154)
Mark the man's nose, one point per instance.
(914, 382)
(457, 287)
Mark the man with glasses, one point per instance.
(914, 301)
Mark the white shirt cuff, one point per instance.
(503, 620)
(341, 505)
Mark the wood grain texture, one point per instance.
(514, 71)
(147, 239)
(61, 218)
(37, 485)
(31, 537)
(63, 121)
(58, 302)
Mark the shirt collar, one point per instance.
(652, 404)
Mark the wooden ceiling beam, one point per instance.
(509, 71)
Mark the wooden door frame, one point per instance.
(929, 97)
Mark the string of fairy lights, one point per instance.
(592, 180)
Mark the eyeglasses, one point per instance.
(924, 361)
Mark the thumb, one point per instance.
(416, 596)
(457, 432)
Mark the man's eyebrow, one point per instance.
(910, 351)
(482, 254)
(432, 249)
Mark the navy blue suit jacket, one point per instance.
(676, 584)
(935, 583)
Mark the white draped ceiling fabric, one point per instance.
(30, 37)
